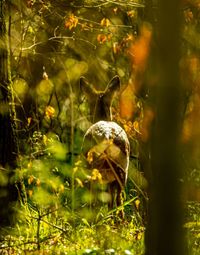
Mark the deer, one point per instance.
(105, 145)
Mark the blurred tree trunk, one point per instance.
(164, 233)
(8, 146)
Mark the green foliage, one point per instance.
(192, 227)
(49, 232)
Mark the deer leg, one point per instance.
(112, 189)
(116, 194)
(119, 201)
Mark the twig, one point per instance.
(135, 5)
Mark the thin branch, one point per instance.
(58, 38)
(103, 3)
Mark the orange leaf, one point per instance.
(31, 179)
(101, 38)
(71, 22)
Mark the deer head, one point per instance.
(100, 101)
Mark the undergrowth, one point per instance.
(58, 214)
(58, 232)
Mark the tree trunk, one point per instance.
(164, 234)
(8, 146)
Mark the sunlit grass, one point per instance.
(54, 232)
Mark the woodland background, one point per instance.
(45, 47)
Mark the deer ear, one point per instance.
(113, 86)
(86, 87)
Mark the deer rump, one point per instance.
(106, 149)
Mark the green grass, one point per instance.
(59, 231)
(55, 232)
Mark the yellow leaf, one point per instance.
(127, 128)
(137, 203)
(30, 192)
(105, 22)
(61, 188)
(78, 163)
(71, 22)
(90, 157)
(116, 47)
(139, 235)
(75, 169)
(80, 183)
(49, 112)
(96, 175)
(38, 182)
(136, 126)
(30, 179)
(132, 14)
(29, 121)
(45, 139)
(29, 164)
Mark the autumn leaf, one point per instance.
(38, 182)
(71, 22)
(132, 14)
(30, 192)
(85, 26)
(101, 38)
(79, 182)
(96, 176)
(49, 112)
(138, 235)
(115, 10)
(116, 47)
(105, 22)
(137, 203)
(29, 120)
(109, 37)
(136, 126)
(31, 179)
(30, 164)
(45, 139)
(188, 15)
(61, 188)
(89, 157)
(128, 38)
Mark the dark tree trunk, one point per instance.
(8, 149)
(164, 234)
